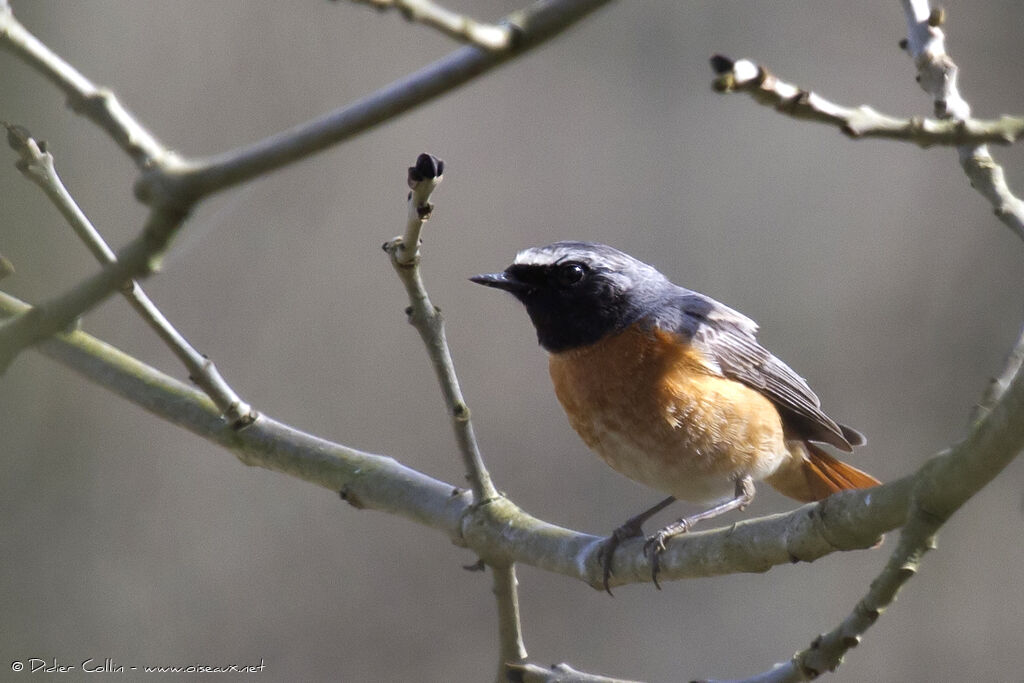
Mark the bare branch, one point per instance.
(99, 105)
(937, 74)
(457, 26)
(171, 186)
(37, 165)
(138, 258)
(559, 673)
(998, 386)
(940, 487)
(191, 180)
(426, 318)
(499, 531)
(857, 122)
(511, 649)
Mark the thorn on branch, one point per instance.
(477, 566)
(6, 267)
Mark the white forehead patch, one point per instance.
(551, 254)
(597, 255)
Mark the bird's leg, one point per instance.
(631, 528)
(656, 542)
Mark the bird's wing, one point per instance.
(728, 340)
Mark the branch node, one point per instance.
(460, 411)
(351, 498)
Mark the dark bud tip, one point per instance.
(17, 136)
(427, 167)
(721, 64)
(904, 43)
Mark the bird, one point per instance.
(672, 389)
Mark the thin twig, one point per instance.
(99, 105)
(857, 122)
(138, 258)
(937, 74)
(511, 649)
(426, 318)
(37, 165)
(452, 24)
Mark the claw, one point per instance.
(653, 549)
(604, 556)
(606, 553)
(655, 546)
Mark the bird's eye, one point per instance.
(570, 273)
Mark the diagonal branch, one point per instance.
(168, 179)
(857, 122)
(196, 178)
(171, 186)
(136, 259)
(452, 24)
(37, 165)
(938, 492)
(499, 532)
(502, 533)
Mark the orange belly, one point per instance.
(651, 408)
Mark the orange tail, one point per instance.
(818, 476)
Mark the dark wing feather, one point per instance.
(727, 338)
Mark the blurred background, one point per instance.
(873, 268)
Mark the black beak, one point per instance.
(501, 281)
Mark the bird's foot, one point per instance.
(655, 545)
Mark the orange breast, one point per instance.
(650, 406)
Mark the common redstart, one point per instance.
(672, 389)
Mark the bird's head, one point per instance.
(578, 292)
